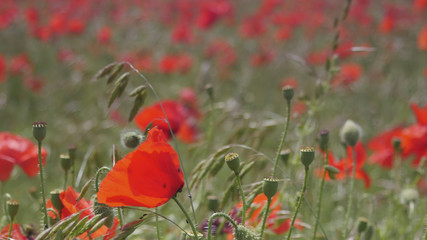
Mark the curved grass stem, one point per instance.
(282, 142)
(218, 214)
(304, 186)
(188, 217)
(350, 201)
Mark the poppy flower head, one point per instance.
(422, 39)
(16, 150)
(147, 177)
(420, 114)
(382, 147)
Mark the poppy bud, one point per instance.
(213, 203)
(66, 161)
(324, 139)
(396, 143)
(233, 161)
(307, 156)
(72, 151)
(350, 133)
(288, 92)
(39, 130)
(241, 232)
(332, 171)
(362, 225)
(105, 211)
(131, 138)
(409, 195)
(269, 186)
(56, 200)
(284, 155)
(12, 208)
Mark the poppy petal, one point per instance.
(6, 166)
(146, 177)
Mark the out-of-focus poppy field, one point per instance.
(213, 119)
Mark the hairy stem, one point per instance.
(42, 186)
(265, 217)
(304, 186)
(243, 197)
(319, 201)
(350, 201)
(282, 142)
(188, 217)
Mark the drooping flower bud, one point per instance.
(39, 130)
(106, 212)
(233, 161)
(307, 156)
(269, 187)
(288, 92)
(350, 133)
(332, 171)
(131, 138)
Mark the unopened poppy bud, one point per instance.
(307, 156)
(66, 161)
(409, 195)
(369, 232)
(56, 200)
(213, 203)
(241, 232)
(397, 142)
(350, 133)
(288, 92)
(105, 211)
(285, 155)
(12, 208)
(233, 161)
(269, 187)
(332, 171)
(131, 138)
(362, 225)
(39, 130)
(72, 151)
(324, 139)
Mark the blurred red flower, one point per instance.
(345, 165)
(16, 150)
(276, 220)
(75, 26)
(422, 39)
(262, 57)
(420, 5)
(71, 206)
(253, 26)
(175, 63)
(104, 35)
(350, 72)
(382, 147)
(2, 69)
(147, 177)
(21, 64)
(211, 11)
(182, 33)
(16, 233)
(386, 24)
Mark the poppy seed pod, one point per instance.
(362, 225)
(324, 139)
(350, 133)
(56, 200)
(12, 208)
(269, 187)
(307, 156)
(288, 92)
(72, 151)
(39, 130)
(66, 161)
(285, 155)
(213, 203)
(332, 171)
(233, 161)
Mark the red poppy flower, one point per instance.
(16, 150)
(182, 116)
(345, 165)
(420, 5)
(420, 113)
(422, 39)
(182, 33)
(2, 69)
(71, 206)
(253, 26)
(211, 11)
(350, 72)
(382, 147)
(147, 177)
(386, 24)
(276, 222)
(414, 137)
(21, 64)
(175, 63)
(16, 233)
(104, 35)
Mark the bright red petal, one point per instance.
(16, 232)
(146, 177)
(71, 206)
(420, 114)
(6, 166)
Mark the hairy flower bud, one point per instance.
(350, 133)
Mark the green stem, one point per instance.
(97, 177)
(350, 201)
(65, 180)
(9, 236)
(188, 217)
(219, 214)
(319, 201)
(42, 186)
(119, 212)
(282, 142)
(157, 224)
(265, 217)
(243, 197)
(304, 186)
(211, 125)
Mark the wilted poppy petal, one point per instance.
(146, 177)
